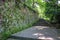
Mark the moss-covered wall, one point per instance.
(15, 19)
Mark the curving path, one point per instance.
(39, 31)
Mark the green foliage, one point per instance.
(15, 19)
(52, 10)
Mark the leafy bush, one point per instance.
(51, 10)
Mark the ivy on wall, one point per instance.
(16, 19)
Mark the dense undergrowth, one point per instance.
(52, 11)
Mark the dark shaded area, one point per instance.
(41, 22)
(53, 12)
(21, 38)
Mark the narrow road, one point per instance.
(39, 31)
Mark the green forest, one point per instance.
(17, 15)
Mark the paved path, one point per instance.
(39, 31)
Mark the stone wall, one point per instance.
(16, 19)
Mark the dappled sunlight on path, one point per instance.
(38, 32)
(45, 34)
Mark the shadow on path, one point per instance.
(41, 22)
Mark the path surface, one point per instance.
(40, 30)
